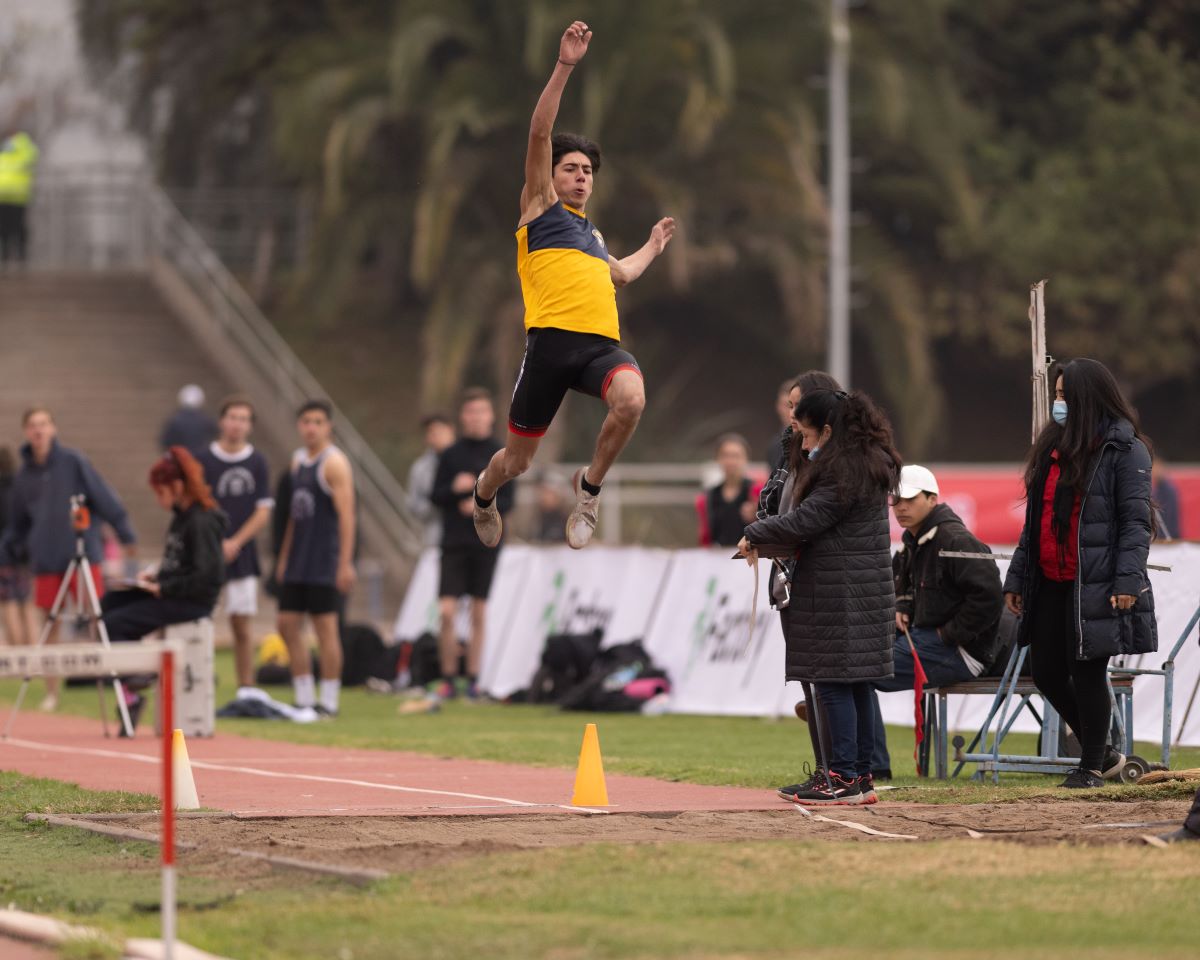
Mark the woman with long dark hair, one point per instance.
(778, 497)
(1078, 578)
(188, 580)
(840, 619)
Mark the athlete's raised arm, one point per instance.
(538, 194)
(633, 266)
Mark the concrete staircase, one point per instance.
(106, 354)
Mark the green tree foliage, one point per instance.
(996, 144)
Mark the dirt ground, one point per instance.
(406, 844)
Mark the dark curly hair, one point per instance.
(860, 457)
(563, 143)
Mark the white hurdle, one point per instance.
(93, 660)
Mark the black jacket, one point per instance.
(464, 456)
(193, 566)
(959, 598)
(725, 522)
(841, 620)
(1114, 542)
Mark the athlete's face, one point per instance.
(478, 419)
(315, 429)
(236, 424)
(573, 179)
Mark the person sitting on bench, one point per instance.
(188, 581)
(950, 606)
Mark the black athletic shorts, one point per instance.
(557, 361)
(467, 572)
(314, 598)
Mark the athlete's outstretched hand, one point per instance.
(574, 43)
(661, 233)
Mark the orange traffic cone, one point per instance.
(590, 789)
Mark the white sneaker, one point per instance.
(49, 703)
(581, 524)
(488, 523)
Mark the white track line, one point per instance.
(277, 775)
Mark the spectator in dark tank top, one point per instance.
(315, 569)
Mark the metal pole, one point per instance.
(166, 688)
(839, 192)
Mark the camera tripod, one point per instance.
(87, 604)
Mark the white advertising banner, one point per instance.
(701, 636)
(692, 609)
(614, 589)
(419, 611)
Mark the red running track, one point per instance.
(267, 777)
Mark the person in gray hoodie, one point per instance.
(39, 521)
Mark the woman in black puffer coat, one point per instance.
(1079, 574)
(840, 623)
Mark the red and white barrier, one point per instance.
(93, 660)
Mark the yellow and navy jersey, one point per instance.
(565, 280)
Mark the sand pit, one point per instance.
(394, 845)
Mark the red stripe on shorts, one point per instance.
(525, 431)
(613, 372)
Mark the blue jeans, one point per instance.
(943, 665)
(849, 715)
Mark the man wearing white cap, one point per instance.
(950, 606)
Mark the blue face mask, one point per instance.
(1059, 412)
(812, 454)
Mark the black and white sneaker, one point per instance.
(1112, 765)
(324, 712)
(814, 777)
(1080, 779)
(832, 791)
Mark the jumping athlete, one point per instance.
(568, 281)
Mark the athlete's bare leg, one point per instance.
(626, 400)
(14, 624)
(243, 649)
(289, 623)
(447, 637)
(329, 645)
(509, 463)
(478, 626)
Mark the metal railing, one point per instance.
(90, 219)
(172, 239)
